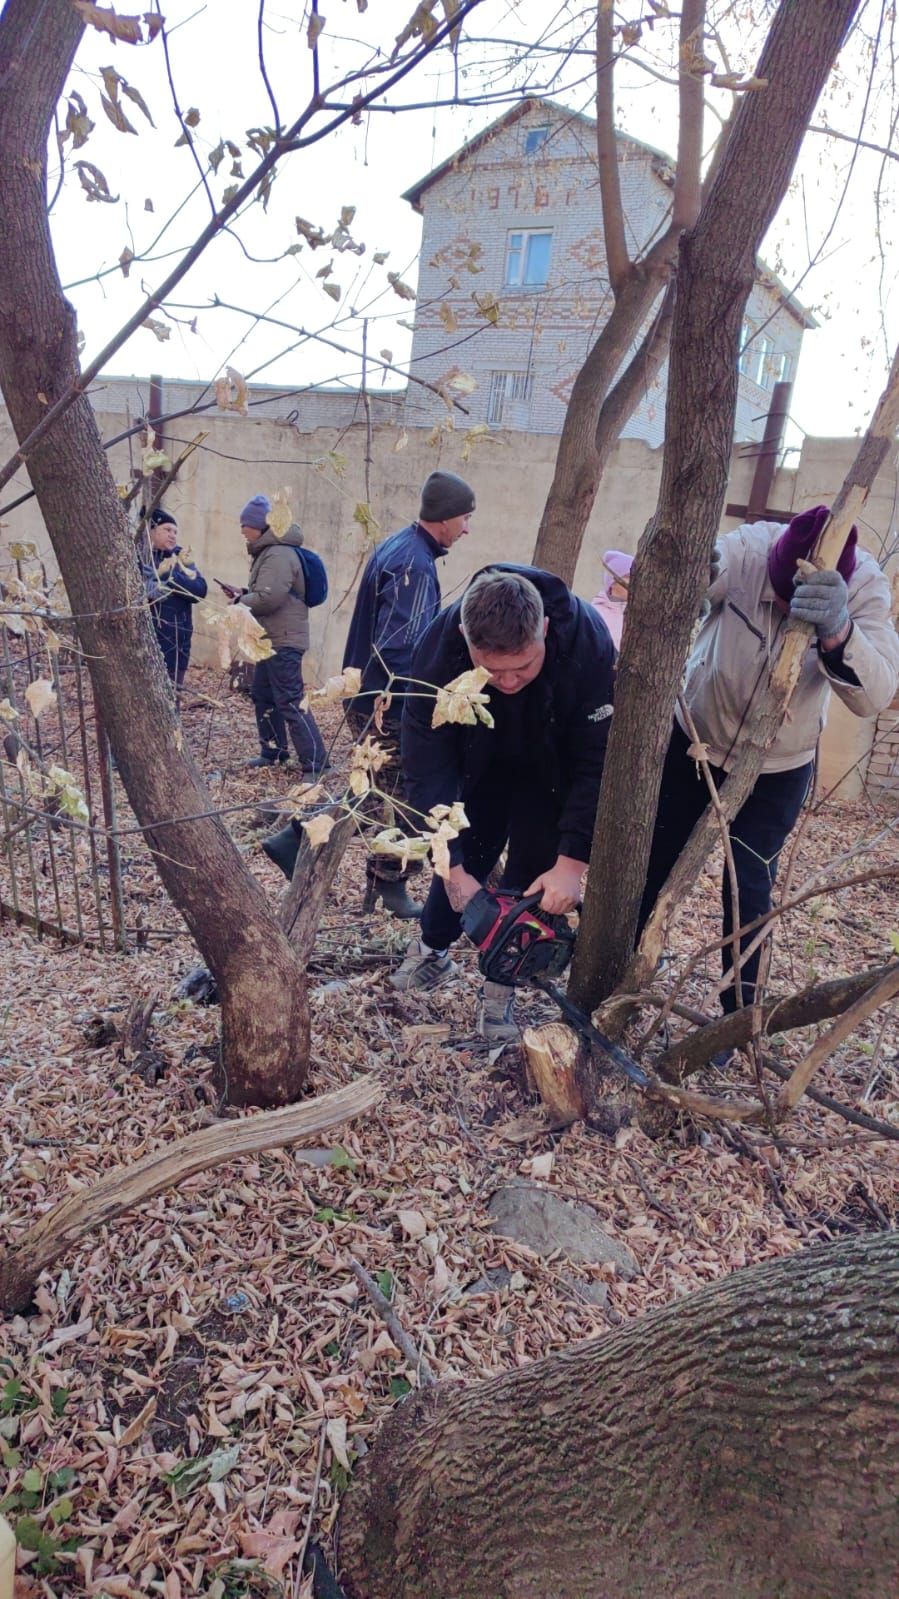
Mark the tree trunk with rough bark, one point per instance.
(615, 374)
(265, 1020)
(740, 1444)
(715, 275)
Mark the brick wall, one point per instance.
(544, 332)
(883, 765)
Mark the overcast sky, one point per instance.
(840, 214)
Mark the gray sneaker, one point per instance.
(422, 968)
(496, 1018)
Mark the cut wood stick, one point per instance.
(393, 1324)
(60, 1230)
(795, 1087)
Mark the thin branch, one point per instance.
(792, 1092)
(393, 1324)
(246, 191)
(687, 179)
(615, 240)
(852, 138)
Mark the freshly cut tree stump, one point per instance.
(742, 1443)
(551, 1053)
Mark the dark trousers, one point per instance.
(175, 646)
(758, 833)
(507, 807)
(391, 806)
(276, 694)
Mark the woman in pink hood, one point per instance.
(611, 602)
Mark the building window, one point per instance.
(506, 387)
(534, 138)
(759, 362)
(527, 258)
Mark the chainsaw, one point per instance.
(518, 942)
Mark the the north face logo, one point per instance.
(600, 714)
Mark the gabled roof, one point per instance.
(508, 120)
(414, 195)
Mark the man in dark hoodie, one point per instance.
(531, 781)
(399, 596)
(276, 595)
(175, 592)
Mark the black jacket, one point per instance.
(172, 612)
(568, 719)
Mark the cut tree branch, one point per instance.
(167, 1167)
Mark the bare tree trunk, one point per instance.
(715, 276)
(579, 466)
(741, 1443)
(596, 411)
(265, 1021)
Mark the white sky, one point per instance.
(831, 213)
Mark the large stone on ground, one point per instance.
(544, 1222)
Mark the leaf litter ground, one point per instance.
(197, 1381)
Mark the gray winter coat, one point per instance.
(276, 594)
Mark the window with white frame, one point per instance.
(759, 361)
(505, 389)
(533, 139)
(527, 258)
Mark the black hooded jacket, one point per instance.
(562, 721)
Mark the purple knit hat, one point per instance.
(256, 512)
(616, 566)
(796, 543)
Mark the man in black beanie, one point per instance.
(398, 599)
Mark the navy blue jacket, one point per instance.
(568, 716)
(398, 598)
(173, 613)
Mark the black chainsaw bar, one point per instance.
(583, 1025)
(518, 942)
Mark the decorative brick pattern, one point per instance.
(544, 333)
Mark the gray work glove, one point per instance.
(822, 598)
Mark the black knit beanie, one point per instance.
(443, 496)
(158, 516)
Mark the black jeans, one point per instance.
(506, 807)
(758, 833)
(276, 694)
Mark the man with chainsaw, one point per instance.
(530, 781)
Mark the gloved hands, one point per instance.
(822, 598)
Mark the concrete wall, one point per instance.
(511, 473)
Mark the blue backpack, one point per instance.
(315, 574)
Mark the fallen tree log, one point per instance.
(741, 1443)
(61, 1228)
(817, 1003)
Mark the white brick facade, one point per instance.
(525, 364)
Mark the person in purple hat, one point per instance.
(756, 585)
(276, 595)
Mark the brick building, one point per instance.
(514, 219)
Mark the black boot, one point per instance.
(395, 898)
(284, 847)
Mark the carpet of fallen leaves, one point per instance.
(195, 1384)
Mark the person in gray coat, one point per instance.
(276, 595)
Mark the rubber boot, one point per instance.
(284, 847)
(394, 897)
